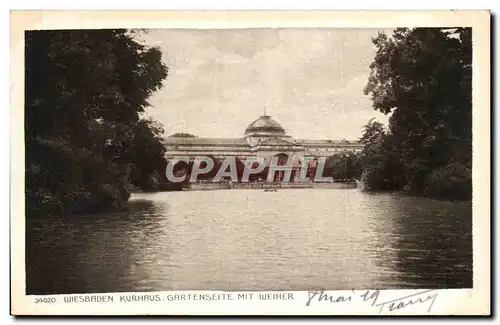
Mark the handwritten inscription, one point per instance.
(373, 297)
(413, 299)
(323, 296)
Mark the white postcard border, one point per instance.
(450, 301)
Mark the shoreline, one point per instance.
(326, 186)
(264, 186)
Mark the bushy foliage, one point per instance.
(453, 180)
(422, 78)
(86, 142)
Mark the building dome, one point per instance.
(265, 125)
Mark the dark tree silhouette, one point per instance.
(85, 140)
(422, 77)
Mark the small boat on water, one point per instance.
(270, 190)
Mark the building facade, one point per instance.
(264, 138)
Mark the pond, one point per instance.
(292, 239)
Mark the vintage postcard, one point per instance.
(250, 163)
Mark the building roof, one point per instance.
(267, 130)
(270, 141)
(307, 142)
(179, 141)
(205, 141)
(265, 124)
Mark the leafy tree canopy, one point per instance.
(422, 77)
(85, 92)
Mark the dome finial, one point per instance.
(265, 109)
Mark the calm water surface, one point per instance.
(296, 239)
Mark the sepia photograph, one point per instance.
(248, 160)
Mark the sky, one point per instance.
(309, 80)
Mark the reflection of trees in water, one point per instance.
(84, 254)
(432, 243)
(148, 246)
(141, 207)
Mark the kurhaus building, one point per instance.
(264, 138)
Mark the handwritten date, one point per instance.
(374, 298)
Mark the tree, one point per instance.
(84, 93)
(147, 154)
(373, 132)
(183, 135)
(343, 166)
(422, 77)
(377, 158)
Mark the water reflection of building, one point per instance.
(263, 138)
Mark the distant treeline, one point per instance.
(422, 77)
